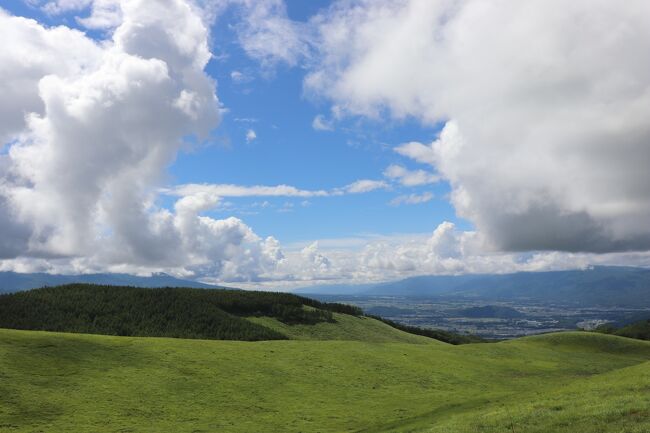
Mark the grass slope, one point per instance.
(346, 327)
(573, 382)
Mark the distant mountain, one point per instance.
(598, 285)
(14, 282)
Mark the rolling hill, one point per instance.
(561, 383)
(321, 368)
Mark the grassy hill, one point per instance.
(345, 327)
(570, 382)
(199, 313)
(323, 368)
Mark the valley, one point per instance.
(447, 313)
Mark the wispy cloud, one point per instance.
(239, 77)
(361, 186)
(412, 199)
(229, 190)
(408, 177)
(321, 123)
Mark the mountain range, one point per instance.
(596, 285)
(14, 281)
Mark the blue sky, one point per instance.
(351, 141)
(288, 150)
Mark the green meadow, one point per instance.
(355, 375)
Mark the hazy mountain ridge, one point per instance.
(14, 281)
(598, 285)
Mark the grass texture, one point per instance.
(568, 382)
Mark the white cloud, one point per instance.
(61, 51)
(78, 184)
(445, 251)
(225, 190)
(240, 77)
(320, 123)
(410, 177)
(412, 199)
(55, 7)
(228, 190)
(104, 14)
(268, 35)
(417, 151)
(250, 135)
(361, 186)
(546, 104)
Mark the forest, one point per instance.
(166, 312)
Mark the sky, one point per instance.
(279, 144)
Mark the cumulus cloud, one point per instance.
(62, 51)
(545, 103)
(445, 251)
(96, 130)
